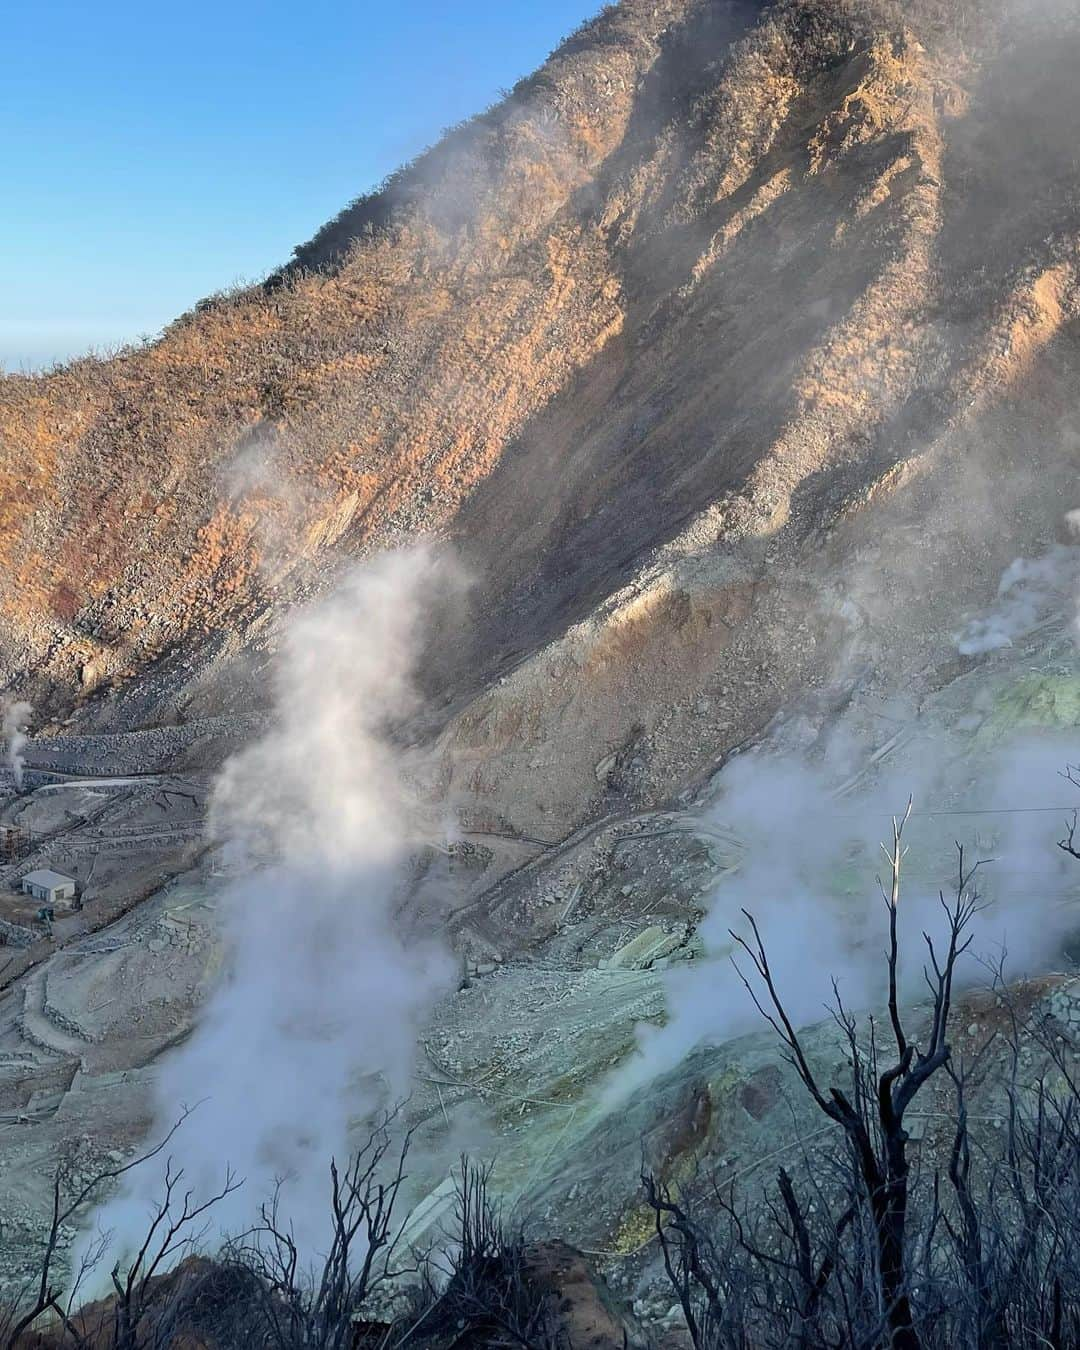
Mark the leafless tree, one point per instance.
(876, 1133)
(175, 1230)
(475, 1288)
(480, 1280)
(304, 1308)
(972, 1241)
(1071, 774)
(41, 1296)
(865, 1237)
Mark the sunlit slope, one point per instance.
(637, 339)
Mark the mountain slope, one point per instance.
(736, 355)
(634, 340)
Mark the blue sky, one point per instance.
(157, 152)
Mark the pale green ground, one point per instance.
(573, 1166)
(512, 1068)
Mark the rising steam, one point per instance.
(1031, 591)
(14, 720)
(806, 866)
(313, 1026)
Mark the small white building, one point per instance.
(51, 888)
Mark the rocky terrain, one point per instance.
(734, 354)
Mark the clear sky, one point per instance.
(155, 152)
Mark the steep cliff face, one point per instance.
(671, 343)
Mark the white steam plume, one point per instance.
(1030, 591)
(15, 719)
(807, 873)
(314, 1023)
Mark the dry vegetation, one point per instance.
(532, 289)
(880, 1232)
(478, 1284)
(886, 1236)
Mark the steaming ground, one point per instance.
(1031, 591)
(811, 833)
(745, 402)
(315, 1020)
(809, 872)
(14, 720)
(604, 951)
